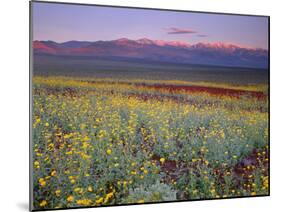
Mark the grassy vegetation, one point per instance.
(104, 141)
(118, 69)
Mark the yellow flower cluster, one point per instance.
(96, 140)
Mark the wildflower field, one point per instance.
(103, 141)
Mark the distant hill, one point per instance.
(218, 54)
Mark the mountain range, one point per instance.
(219, 54)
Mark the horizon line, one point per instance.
(217, 42)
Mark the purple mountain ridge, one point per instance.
(219, 54)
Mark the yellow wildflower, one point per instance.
(70, 198)
(77, 189)
(43, 203)
(37, 164)
(69, 153)
(84, 202)
(108, 197)
(53, 173)
(100, 200)
(42, 182)
(58, 192)
(133, 172)
(109, 151)
(90, 189)
(265, 182)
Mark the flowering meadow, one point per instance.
(103, 141)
